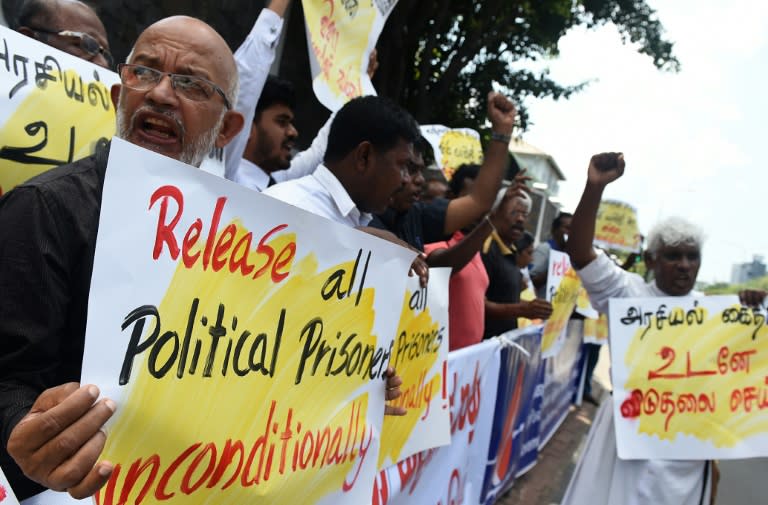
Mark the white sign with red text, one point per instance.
(454, 473)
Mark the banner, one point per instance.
(616, 226)
(561, 381)
(453, 147)
(420, 356)
(454, 473)
(566, 293)
(243, 340)
(341, 36)
(689, 378)
(512, 424)
(596, 330)
(54, 108)
(6, 493)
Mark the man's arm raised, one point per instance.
(465, 210)
(603, 169)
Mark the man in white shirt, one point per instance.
(369, 146)
(674, 257)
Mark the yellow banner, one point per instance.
(420, 356)
(55, 107)
(246, 349)
(342, 35)
(453, 147)
(616, 226)
(690, 378)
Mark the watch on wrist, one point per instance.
(500, 137)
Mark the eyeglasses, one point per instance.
(193, 88)
(88, 44)
(522, 213)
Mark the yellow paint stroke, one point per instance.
(563, 303)
(722, 427)
(60, 113)
(163, 416)
(617, 225)
(339, 39)
(526, 296)
(397, 431)
(458, 148)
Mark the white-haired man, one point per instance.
(674, 257)
(502, 297)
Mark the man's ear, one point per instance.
(363, 155)
(231, 126)
(650, 263)
(114, 92)
(25, 30)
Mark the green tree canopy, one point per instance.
(438, 58)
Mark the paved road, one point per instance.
(743, 482)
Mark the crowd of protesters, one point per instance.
(365, 169)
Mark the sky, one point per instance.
(693, 141)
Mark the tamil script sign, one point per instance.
(689, 377)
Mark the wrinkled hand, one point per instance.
(538, 309)
(393, 391)
(419, 267)
(605, 168)
(752, 297)
(58, 443)
(501, 113)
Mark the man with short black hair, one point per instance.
(558, 239)
(69, 25)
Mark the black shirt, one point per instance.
(48, 231)
(505, 285)
(423, 223)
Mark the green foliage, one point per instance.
(724, 288)
(439, 58)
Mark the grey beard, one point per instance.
(193, 153)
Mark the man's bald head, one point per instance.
(197, 36)
(44, 20)
(171, 115)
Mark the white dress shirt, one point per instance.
(322, 194)
(601, 478)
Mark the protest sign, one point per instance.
(244, 341)
(689, 377)
(420, 355)
(561, 381)
(453, 473)
(341, 35)
(54, 108)
(566, 293)
(453, 147)
(520, 361)
(616, 226)
(6, 493)
(596, 330)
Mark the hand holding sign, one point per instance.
(59, 441)
(605, 168)
(501, 113)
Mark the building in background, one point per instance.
(743, 272)
(546, 175)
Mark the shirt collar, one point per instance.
(251, 176)
(340, 197)
(494, 237)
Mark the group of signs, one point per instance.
(268, 329)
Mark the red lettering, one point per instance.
(134, 473)
(282, 261)
(164, 231)
(212, 231)
(263, 248)
(190, 239)
(186, 488)
(160, 492)
(222, 247)
(227, 454)
(243, 248)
